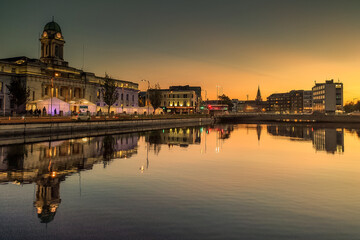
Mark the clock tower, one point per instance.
(52, 45)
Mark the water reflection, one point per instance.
(48, 164)
(182, 137)
(330, 140)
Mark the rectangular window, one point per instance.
(1, 87)
(1, 104)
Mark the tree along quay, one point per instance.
(90, 127)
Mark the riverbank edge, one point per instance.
(39, 132)
(295, 118)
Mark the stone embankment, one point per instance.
(306, 118)
(32, 132)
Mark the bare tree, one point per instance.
(19, 93)
(109, 92)
(155, 96)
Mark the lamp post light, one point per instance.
(217, 91)
(144, 80)
(52, 94)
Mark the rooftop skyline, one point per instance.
(279, 45)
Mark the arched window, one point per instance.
(56, 51)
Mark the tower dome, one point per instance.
(52, 44)
(52, 26)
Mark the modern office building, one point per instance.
(307, 101)
(279, 103)
(295, 101)
(52, 77)
(328, 96)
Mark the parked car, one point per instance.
(81, 116)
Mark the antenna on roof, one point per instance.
(39, 46)
(52, 18)
(82, 67)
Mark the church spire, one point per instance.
(258, 95)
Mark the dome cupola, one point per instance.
(52, 44)
(52, 27)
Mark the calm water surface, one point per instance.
(222, 182)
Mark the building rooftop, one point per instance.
(52, 26)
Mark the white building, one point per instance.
(328, 96)
(51, 77)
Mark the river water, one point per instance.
(277, 181)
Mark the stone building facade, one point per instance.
(51, 76)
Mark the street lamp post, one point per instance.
(144, 80)
(217, 91)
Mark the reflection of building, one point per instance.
(47, 198)
(330, 140)
(294, 132)
(223, 131)
(50, 76)
(182, 137)
(328, 96)
(47, 164)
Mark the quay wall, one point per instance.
(268, 117)
(74, 129)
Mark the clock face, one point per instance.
(58, 35)
(45, 34)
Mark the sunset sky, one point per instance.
(238, 45)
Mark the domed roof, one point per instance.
(52, 26)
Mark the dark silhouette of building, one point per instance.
(330, 140)
(295, 101)
(257, 105)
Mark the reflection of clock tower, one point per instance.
(52, 44)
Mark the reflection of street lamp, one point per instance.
(147, 159)
(144, 80)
